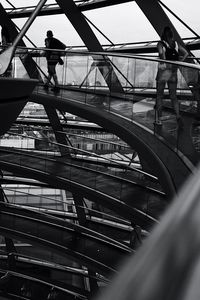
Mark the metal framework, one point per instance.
(112, 205)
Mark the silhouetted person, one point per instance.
(6, 42)
(168, 49)
(53, 57)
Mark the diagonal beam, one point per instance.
(6, 21)
(28, 62)
(82, 27)
(7, 55)
(157, 17)
(57, 128)
(52, 9)
(78, 21)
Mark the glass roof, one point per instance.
(120, 22)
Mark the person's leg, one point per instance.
(55, 78)
(172, 92)
(172, 86)
(160, 86)
(48, 79)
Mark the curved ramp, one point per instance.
(84, 246)
(139, 204)
(164, 161)
(19, 285)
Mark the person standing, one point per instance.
(168, 49)
(53, 57)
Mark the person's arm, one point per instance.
(161, 53)
(47, 52)
(46, 43)
(183, 53)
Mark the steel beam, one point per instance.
(47, 10)
(29, 63)
(78, 21)
(57, 128)
(82, 27)
(157, 17)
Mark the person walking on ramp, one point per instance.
(53, 57)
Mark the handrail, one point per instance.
(117, 163)
(146, 188)
(27, 153)
(37, 280)
(63, 225)
(107, 53)
(51, 211)
(124, 145)
(67, 269)
(64, 249)
(115, 220)
(113, 54)
(134, 210)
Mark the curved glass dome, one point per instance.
(122, 23)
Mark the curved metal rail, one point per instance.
(12, 280)
(76, 176)
(83, 245)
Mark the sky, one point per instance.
(120, 23)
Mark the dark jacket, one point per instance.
(53, 43)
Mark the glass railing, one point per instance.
(70, 240)
(109, 164)
(52, 202)
(88, 144)
(37, 142)
(17, 285)
(126, 86)
(125, 193)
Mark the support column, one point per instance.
(2, 195)
(78, 201)
(57, 128)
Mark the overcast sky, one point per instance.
(120, 23)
